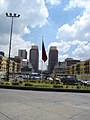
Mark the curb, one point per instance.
(43, 89)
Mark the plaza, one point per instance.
(41, 105)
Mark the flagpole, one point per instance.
(41, 61)
(41, 68)
(44, 55)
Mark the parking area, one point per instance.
(38, 105)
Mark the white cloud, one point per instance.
(3, 39)
(82, 51)
(2, 5)
(77, 34)
(32, 13)
(26, 30)
(17, 43)
(62, 57)
(80, 30)
(78, 3)
(66, 32)
(53, 2)
(62, 46)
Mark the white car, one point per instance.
(49, 78)
(58, 79)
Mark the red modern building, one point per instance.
(53, 58)
(34, 57)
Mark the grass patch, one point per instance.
(42, 85)
(57, 86)
(7, 83)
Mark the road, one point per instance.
(41, 105)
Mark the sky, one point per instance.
(63, 23)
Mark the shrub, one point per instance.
(57, 86)
(7, 83)
(28, 84)
(20, 82)
(33, 81)
(39, 81)
(67, 86)
(15, 83)
(78, 87)
(2, 83)
(51, 82)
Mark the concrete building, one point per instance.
(14, 66)
(71, 61)
(3, 63)
(34, 57)
(17, 61)
(22, 53)
(53, 58)
(81, 69)
(26, 67)
(60, 68)
(87, 66)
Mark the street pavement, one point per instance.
(41, 105)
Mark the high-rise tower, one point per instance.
(22, 53)
(53, 58)
(34, 57)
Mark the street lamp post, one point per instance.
(11, 16)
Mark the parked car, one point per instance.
(57, 80)
(3, 77)
(49, 78)
(84, 82)
(70, 80)
(35, 76)
(88, 83)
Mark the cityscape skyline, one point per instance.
(65, 24)
(34, 58)
(68, 67)
(52, 55)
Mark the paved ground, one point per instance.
(38, 105)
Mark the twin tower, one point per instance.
(34, 57)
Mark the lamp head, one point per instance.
(15, 14)
(19, 15)
(10, 14)
(6, 14)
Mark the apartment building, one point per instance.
(3, 63)
(81, 69)
(65, 67)
(14, 67)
